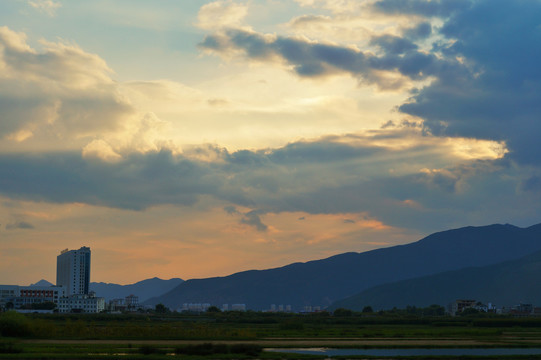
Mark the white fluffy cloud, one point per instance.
(63, 94)
(221, 13)
(48, 7)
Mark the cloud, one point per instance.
(231, 210)
(59, 93)
(532, 184)
(303, 20)
(419, 31)
(252, 218)
(338, 6)
(101, 149)
(48, 7)
(22, 225)
(137, 182)
(495, 96)
(312, 59)
(221, 13)
(428, 8)
(331, 175)
(393, 44)
(477, 73)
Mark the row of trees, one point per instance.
(432, 310)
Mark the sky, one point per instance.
(201, 138)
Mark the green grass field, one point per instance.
(236, 335)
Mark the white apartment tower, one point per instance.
(73, 271)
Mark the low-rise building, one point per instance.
(81, 304)
(195, 307)
(238, 307)
(8, 293)
(25, 296)
(132, 302)
(459, 305)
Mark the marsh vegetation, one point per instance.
(239, 335)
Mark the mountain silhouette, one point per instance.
(144, 289)
(504, 285)
(322, 282)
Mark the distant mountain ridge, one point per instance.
(144, 289)
(504, 284)
(322, 282)
(42, 282)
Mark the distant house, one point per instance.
(522, 310)
(81, 303)
(195, 307)
(132, 302)
(238, 307)
(460, 305)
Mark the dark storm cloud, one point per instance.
(310, 59)
(136, 183)
(143, 180)
(429, 201)
(533, 184)
(393, 44)
(484, 66)
(420, 31)
(498, 96)
(139, 180)
(332, 175)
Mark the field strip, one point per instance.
(288, 342)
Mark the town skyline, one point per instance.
(198, 139)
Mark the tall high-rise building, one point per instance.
(73, 270)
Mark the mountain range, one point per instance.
(144, 289)
(322, 282)
(505, 284)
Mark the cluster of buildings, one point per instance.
(202, 307)
(70, 294)
(459, 306)
(280, 308)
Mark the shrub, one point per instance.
(342, 312)
(248, 349)
(291, 325)
(199, 349)
(149, 350)
(206, 349)
(9, 348)
(13, 324)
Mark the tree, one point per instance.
(47, 305)
(213, 309)
(469, 311)
(161, 309)
(368, 309)
(342, 312)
